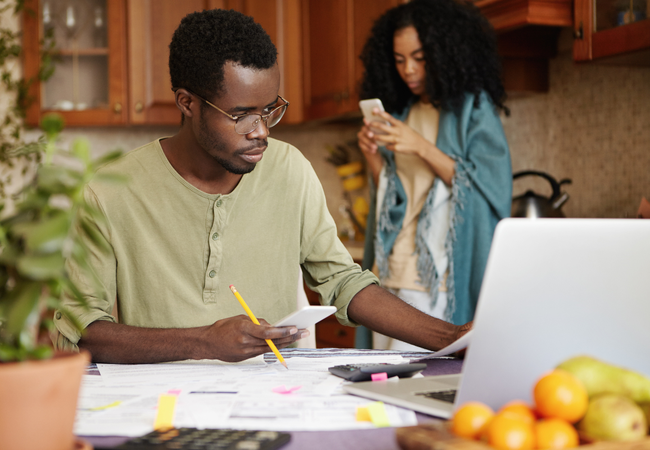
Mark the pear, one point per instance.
(612, 417)
(645, 407)
(599, 377)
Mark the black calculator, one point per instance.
(363, 372)
(208, 439)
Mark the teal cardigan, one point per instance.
(481, 195)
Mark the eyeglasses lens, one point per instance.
(250, 122)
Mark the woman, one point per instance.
(441, 170)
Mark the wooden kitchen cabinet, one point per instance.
(89, 84)
(318, 48)
(527, 34)
(151, 24)
(334, 34)
(612, 31)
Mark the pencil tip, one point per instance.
(284, 364)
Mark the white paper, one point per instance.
(458, 344)
(122, 400)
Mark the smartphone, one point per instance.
(367, 106)
(306, 316)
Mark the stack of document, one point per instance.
(122, 400)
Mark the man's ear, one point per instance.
(186, 102)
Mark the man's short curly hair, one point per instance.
(459, 51)
(204, 41)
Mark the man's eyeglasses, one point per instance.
(247, 123)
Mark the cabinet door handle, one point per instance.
(139, 106)
(577, 33)
(117, 108)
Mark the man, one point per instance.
(218, 204)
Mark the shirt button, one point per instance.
(58, 315)
(218, 203)
(212, 273)
(215, 236)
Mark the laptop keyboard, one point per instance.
(445, 396)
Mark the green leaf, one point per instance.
(52, 124)
(81, 149)
(41, 352)
(23, 302)
(90, 230)
(57, 179)
(47, 235)
(8, 353)
(41, 267)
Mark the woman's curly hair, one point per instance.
(459, 51)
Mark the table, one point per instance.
(377, 439)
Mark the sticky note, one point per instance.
(362, 414)
(165, 414)
(174, 392)
(378, 414)
(110, 405)
(379, 376)
(285, 390)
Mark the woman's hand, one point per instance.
(400, 138)
(369, 149)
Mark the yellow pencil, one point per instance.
(257, 322)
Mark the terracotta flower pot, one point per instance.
(38, 402)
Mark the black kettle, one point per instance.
(533, 205)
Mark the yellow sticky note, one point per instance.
(362, 414)
(110, 405)
(378, 414)
(165, 414)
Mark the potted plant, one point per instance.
(39, 387)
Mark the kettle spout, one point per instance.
(557, 204)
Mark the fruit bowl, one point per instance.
(436, 436)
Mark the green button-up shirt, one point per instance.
(174, 250)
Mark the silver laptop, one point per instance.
(552, 289)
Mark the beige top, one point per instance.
(417, 178)
(173, 250)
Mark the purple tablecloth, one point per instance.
(378, 439)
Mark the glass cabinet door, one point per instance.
(80, 79)
(88, 85)
(615, 13)
(612, 31)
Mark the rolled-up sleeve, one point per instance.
(328, 268)
(94, 276)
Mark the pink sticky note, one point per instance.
(285, 390)
(379, 376)
(174, 392)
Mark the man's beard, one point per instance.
(209, 142)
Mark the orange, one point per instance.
(558, 394)
(555, 434)
(510, 431)
(471, 419)
(522, 408)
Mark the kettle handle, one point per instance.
(554, 184)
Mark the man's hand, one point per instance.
(232, 339)
(462, 330)
(237, 338)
